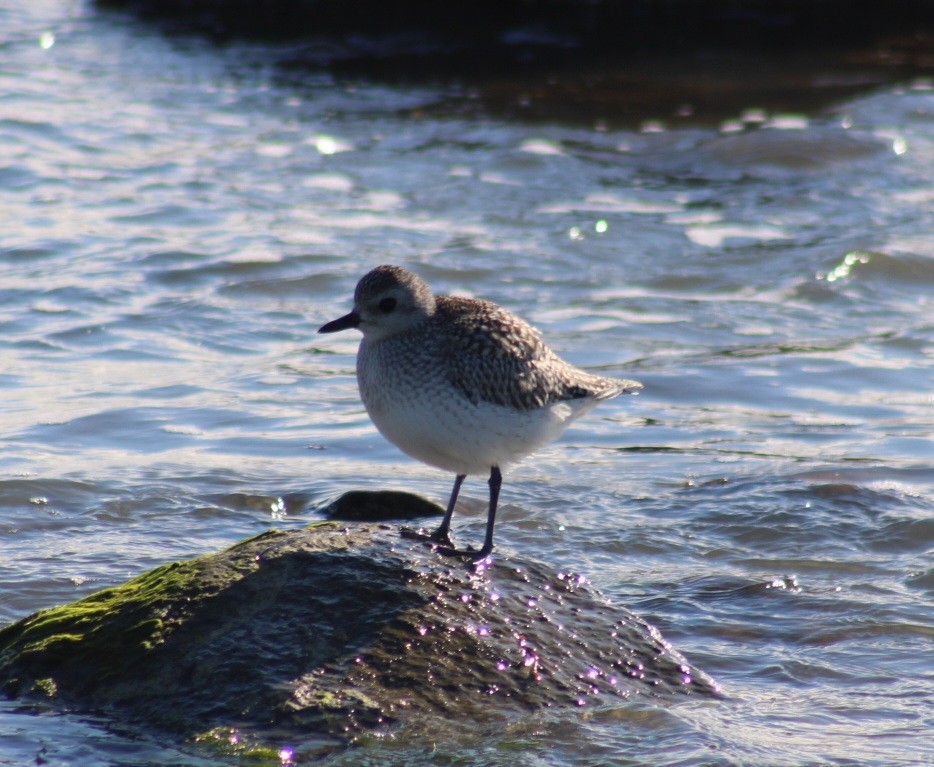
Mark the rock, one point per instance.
(331, 632)
(380, 505)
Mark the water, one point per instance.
(178, 220)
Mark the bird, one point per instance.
(461, 384)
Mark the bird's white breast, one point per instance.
(413, 404)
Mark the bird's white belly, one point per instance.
(443, 428)
(414, 405)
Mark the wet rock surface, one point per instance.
(334, 631)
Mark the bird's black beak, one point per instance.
(351, 320)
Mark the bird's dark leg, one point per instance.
(442, 533)
(496, 481)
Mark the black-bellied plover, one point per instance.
(461, 384)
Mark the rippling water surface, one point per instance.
(178, 220)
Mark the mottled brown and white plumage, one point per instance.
(460, 383)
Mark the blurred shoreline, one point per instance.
(609, 64)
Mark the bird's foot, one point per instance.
(442, 540)
(476, 558)
(442, 544)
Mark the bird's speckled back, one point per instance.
(494, 356)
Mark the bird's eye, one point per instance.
(387, 305)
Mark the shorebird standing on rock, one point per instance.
(461, 384)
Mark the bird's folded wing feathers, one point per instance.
(498, 358)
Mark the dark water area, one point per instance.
(180, 217)
(606, 63)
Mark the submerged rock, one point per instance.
(331, 632)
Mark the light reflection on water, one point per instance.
(178, 222)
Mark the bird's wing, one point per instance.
(493, 356)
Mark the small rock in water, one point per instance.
(380, 505)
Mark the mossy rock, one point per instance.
(330, 633)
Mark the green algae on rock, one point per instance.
(332, 633)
